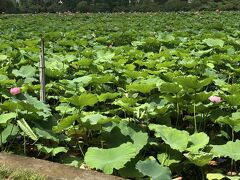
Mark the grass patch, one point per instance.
(13, 174)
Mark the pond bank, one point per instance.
(50, 169)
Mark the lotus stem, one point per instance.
(203, 173)
(194, 113)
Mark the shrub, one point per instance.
(175, 5)
(82, 6)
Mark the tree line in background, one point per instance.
(35, 6)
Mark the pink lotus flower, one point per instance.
(16, 90)
(215, 99)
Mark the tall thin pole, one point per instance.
(42, 72)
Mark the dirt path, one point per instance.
(50, 169)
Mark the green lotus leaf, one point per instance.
(25, 72)
(136, 74)
(125, 103)
(137, 43)
(218, 176)
(45, 134)
(4, 118)
(233, 100)
(192, 82)
(197, 141)
(165, 37)
(55, 68)
(169, 88)
(139, 138)
(65, 123)
(126, 132)
(168, 156)
(233, 177)
(233, 121)
(188, 63)
(5, 80)
(200, 158)
(154, 170)
(27, 129)
(10, 106)
(102, 79)
(10, 130)
(130, 171)
(103, 56)
(53, 151)
(214, 42)
(84, 100)
(82, 81)
(64, 108)
(140, 87)
(202, 96)
(232, 88)
(71, 160)
(230, 149)
(94, 119)
(176, 139)
(188, 82)
(34, 104)
(215, 176)
(109, 159)
(3, 57)
(105, 96)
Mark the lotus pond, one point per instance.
(140, 96)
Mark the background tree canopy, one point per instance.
(35, 6)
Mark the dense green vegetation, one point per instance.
(135, 95)
(35, 6)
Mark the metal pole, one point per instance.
(42, 72)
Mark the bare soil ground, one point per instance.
(50, 169)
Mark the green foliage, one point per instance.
(10, 130)
(197, 141)
(230, 149)
(120, 91)
(109, 159)
(175, 5)
(175, 138)
(83, 6)
(27, 129)
(151, 168)
(214, 42)
(199, 159)
(83, 100)
(52, 151)
(4, 118)
(25, 72)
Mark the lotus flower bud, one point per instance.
(16, 90)
(215, 99)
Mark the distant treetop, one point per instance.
(36, 6)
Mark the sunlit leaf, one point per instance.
(154, 170)
(214, 42)
(4, 118)
(230, 149)
(109, 159)
(197, 141)
(175, 138)
(27, 129)
(200, 158)
(84, 100)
